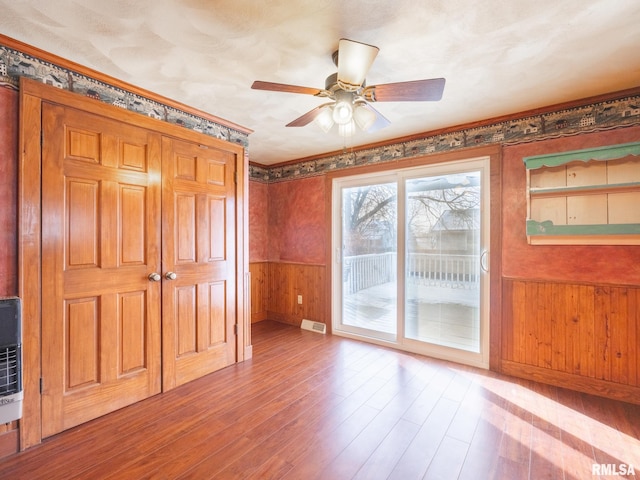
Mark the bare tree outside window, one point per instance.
(434, 205)
(443, 213)
(370, 219)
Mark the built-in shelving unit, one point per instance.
(589, 196)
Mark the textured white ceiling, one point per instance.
(498, 56)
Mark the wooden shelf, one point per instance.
(587, 196)
(585, 190)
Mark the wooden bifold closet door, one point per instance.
(138, 264)
(100, 238)
(198, 249)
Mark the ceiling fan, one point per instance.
(350, 95)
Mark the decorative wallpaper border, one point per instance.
(15, 64)
(599, 116)
(606, 115)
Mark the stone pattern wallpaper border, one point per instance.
(607, 115)
(15, 64)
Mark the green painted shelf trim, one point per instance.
(547, 227)
(600, 153)
(608, 187)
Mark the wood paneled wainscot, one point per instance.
(259, 293)
(278, 288)
(580, 336)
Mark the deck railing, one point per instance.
(455, 271)
(366, 271)
(442, 270)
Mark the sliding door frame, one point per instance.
(353, 181)
(495, 248)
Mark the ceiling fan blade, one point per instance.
(308, 117)
(380, 122)
(354, 61)
(417, 90)
(282, 87)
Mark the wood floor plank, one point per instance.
(422, 449)
(326, 449)
(382, 461)
(578, 454)
(467, 416)
(448, 460)
(356, 454)
(481, 454)
(286, 395)
(234, 459)
(486, 398)
(435, 386)
(229, 414)
(516, 439)
(610, 446)
(317, 406)
(322, 442)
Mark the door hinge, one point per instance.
(41, 385)
(235, 329)
(235, 176)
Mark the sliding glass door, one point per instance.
(410, 259)
(369, 259)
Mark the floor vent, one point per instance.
(313, 326)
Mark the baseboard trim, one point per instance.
(593, 386)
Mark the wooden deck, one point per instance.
(314, 406)
(440, 315)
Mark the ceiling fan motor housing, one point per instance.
(331, 84)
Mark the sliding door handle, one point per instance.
(484, 261)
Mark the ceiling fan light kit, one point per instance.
(325, 119)
(347, 129)
(343, 108)
(364, 117)
(350, 94)
(358, 115)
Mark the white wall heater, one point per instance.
(10, 360)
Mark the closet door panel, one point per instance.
(198, 257)
(100, 241)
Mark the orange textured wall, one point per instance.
(258, 221)
(603, 264)
(297, 225)
(8, 191)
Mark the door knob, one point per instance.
(170, 275)
(154, 277)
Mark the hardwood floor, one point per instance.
(315, 406)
